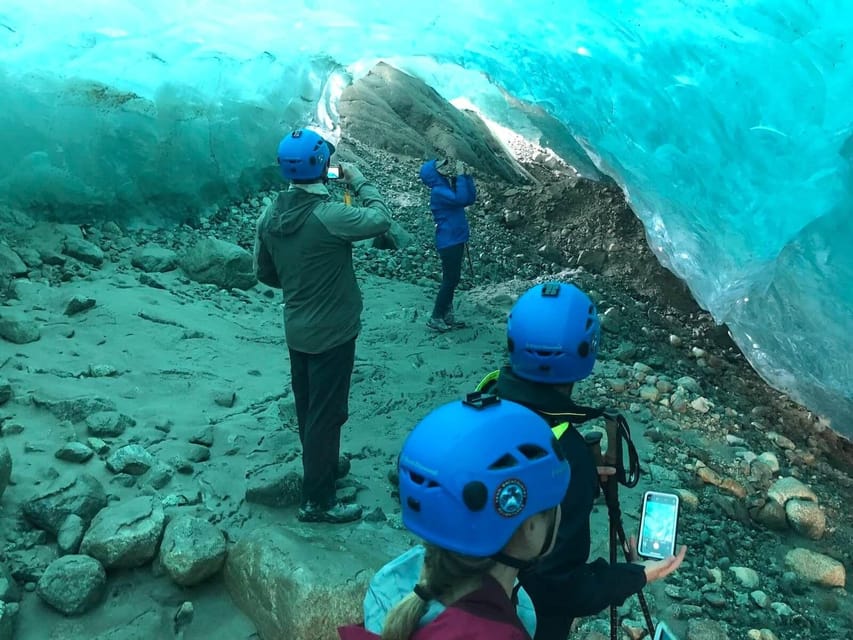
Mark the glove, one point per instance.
(351, 173)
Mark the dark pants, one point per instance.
(550, 627)
(451, 272)
(321, 384)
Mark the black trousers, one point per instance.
(451, 272)
(320, 383)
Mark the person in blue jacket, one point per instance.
(449, 195)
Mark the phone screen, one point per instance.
(658, 525)
(333, 173)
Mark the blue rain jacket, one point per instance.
(447, 200)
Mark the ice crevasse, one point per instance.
(728, 123)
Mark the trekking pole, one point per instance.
(618, 432)
(470, 264)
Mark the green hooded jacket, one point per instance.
(304, 247)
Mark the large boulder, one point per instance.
(402, 114)
(73, 584)
(192, 550)
(17, 328)
(295, 584)
(81, 495)
(10, 262)
(214, 261)
(127, 534)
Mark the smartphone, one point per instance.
(663, 632)
(334, 172)
(658, 525)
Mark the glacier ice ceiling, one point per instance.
(728, 123)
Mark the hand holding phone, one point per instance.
(334, 172)
(658, 525)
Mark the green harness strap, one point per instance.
(491, 379)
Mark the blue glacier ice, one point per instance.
(728, 123)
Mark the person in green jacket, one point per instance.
(304, 247)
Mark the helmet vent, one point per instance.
(504, 462)
(532, 451)
(583, 349)
(588, 323)
(475, 495)
(420, 480)
(414, 505)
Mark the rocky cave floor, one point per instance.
(765, 485)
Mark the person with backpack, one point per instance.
(480, 482)
(553, 335)
(303, 246)
(449, 195)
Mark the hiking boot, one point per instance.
(451, 321)
(438, 324)
(337, 513)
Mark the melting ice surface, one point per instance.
(729, 124)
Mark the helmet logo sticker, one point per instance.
(510, 498)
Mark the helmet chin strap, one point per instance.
(524, 565)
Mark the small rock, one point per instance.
(84, 251)
(278, 485)
(102, 371)
(108, 424)
(79, 304)
(73, 584)
(192, 550)
(97, 445)
(71, 534)
(160, 476)
(196, 453)
(748, 578)
(132, 459)
(781, 609)
(74, 452)
(701, 404)
(770, 460)
(203, 437)
(225, 398)
(5, 391)
(689, 384)
(781, 441)
(375, 515)
(760, 598)
(816, 568)
(806, 518)
(154, 259)
(649, 393)
(16, 328)
(772, 515)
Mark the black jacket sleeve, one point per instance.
(586, 590)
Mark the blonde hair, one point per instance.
(445, 575)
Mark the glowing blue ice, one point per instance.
(729, 124)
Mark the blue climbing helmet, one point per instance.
(304, 155)
(552, 334)
(472, 471)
